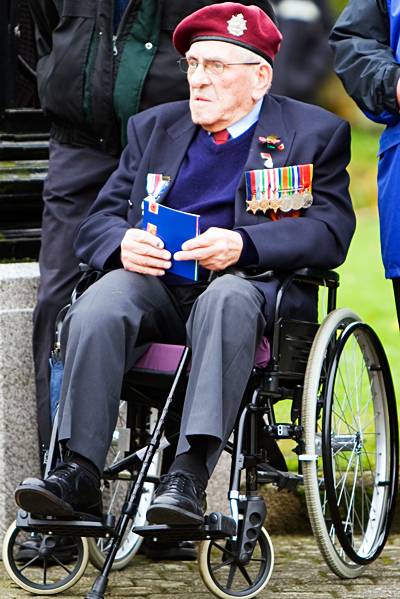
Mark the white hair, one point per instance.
(240, 54)
(249, 56)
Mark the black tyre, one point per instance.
(351, 441)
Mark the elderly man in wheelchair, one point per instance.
(267, 175)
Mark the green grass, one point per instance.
(363, 285)
(363, 165)
(365, 290)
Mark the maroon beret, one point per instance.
(246, 26)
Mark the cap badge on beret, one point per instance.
(237, 25)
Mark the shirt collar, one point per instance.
(246, 121)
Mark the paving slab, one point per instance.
(299, 573)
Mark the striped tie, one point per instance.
(221, 137)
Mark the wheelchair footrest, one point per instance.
(83, 525)
(216, 526)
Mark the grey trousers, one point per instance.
(104, 334)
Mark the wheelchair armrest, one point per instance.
(252, 274)
(314, 276)
(309, 276)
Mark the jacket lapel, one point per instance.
(167, 156)
(270, 122)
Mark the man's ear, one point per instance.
(263, 81)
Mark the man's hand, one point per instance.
(216, 249)
(143, 252)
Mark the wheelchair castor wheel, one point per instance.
(226, 575)
(49, 567)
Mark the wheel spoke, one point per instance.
(224, 549)
(350, 512)
(245, 575)
(62, 565)
(363, 494)
(228, 562)
(44, 571)
(231, 575)
(343, 478)
(31, 561)
(258, 559)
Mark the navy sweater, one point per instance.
(208, 178)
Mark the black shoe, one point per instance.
(173, 550)
(179, 499)
(29, 549)
(65, 550)
(69, 488)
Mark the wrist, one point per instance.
(249, 254)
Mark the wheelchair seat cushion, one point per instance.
(164, 358)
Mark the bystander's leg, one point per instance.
(74, 179)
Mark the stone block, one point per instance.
(18, 430)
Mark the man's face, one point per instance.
(217, 101)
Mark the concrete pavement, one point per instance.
(299, 573)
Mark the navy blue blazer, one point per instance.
(158, 139)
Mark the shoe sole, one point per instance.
(166, 514)
(43, 502)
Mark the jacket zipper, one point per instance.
(120, 27)
(114, 45)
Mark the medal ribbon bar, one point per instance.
(285, 188)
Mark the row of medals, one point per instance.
(285, 202)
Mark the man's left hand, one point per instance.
(216, 249)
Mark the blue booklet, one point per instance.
(174, 228)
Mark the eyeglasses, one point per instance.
(211, 67)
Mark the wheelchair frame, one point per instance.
(287, 376)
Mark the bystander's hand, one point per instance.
(398, 94)
(144, 253)
(216, 249)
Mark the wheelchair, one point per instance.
(340, 415)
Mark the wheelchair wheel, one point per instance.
(351, 443)
(225, 576)
(114, 494)
(47, 573)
